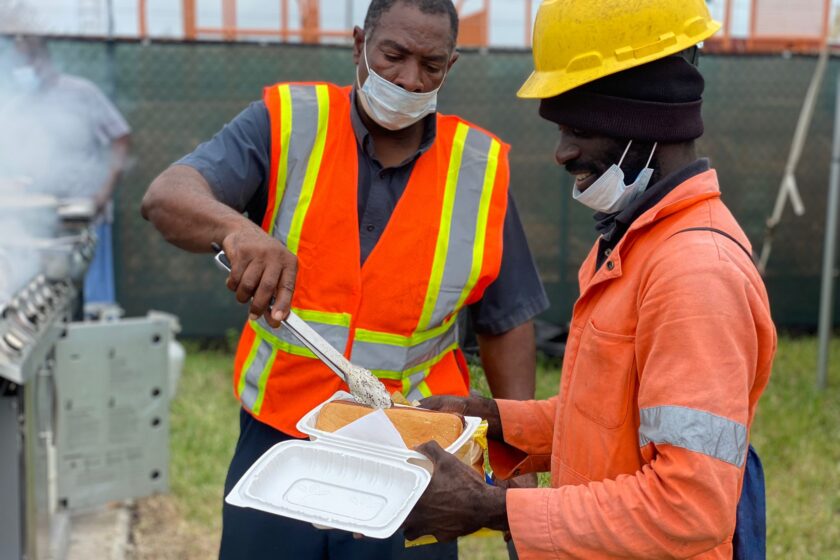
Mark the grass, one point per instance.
(204, 430)
(796, 432)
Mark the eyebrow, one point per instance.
(405, 51)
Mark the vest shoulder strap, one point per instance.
(455, 120)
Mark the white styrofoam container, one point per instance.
(339, 482)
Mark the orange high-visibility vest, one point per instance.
(396, 314)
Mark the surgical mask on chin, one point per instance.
(26, 78)
(608, 193)
(389, 105)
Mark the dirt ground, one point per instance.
(159, 532)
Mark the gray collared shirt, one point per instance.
(380, 188)
(236, 164)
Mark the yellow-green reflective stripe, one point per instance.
(481, 223)
(363, 335)
(337, 319)
(263, 381)
(243, 374)
(283, 163)
(280, 344)
(418, 389)
(442, 247)
(406, 385)
(312, 169)
(424, 389)
(400, 375)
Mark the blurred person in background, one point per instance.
(377, 219)
(671, 341)
(62, 136)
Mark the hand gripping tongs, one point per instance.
(364, 386)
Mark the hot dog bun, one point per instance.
(415, 425)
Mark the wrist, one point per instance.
(488, 409)
(494, 507)
(232, 224)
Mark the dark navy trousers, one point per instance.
(248, 534)
(750, 539)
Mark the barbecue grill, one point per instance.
(83, 405)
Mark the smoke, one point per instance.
(48, 142)
(49, 150)
(16, 16)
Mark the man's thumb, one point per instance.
(432, 450)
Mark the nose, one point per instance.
(410, 77)
(566, 151)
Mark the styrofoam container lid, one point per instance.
(332, 486)
(339, 482)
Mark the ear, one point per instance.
(358, 44)
(452, 60)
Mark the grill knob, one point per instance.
(13, 342)
(14, 313)
(48, 295)
(39, 302)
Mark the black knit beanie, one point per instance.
(656, 102)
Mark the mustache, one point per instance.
(580, 168)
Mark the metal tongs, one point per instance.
(364, 386)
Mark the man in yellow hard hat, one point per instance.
(671, 341)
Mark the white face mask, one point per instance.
(391, 106)
(609, 194)
(26, 78)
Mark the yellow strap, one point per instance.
(429, 539)
(481, 223)
(283, 163)
(312, 169)
(279, 344)
(243, 374)
(266, 372)
(424, 388)
(442, 247)
(400, 375)
(363, 335)
(325, 317)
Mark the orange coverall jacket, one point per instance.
(670, 347)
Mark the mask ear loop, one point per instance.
(367, 66)
(627, 149)
(650, 159)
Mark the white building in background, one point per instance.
(164, 18)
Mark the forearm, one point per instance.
(510, 362)
(679, 506)
(181, 205)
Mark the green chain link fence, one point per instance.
(176, 95)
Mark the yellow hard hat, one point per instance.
(579, 41)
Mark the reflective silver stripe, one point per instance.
(382, 356)
(414, 381)
(301, 142)
(694, 430)
(252, 375)
(462, 232)
(334, 334)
